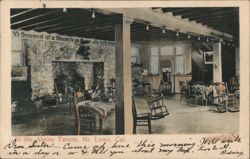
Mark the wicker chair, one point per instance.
(194, 95)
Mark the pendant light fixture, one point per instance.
(177, 33)
(163, 31)
(189, 36)
(93, 14)
(147, 27)
(64, 10)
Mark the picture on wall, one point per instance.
(208, 57)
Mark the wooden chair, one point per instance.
(157, 108)
(194, 95)
(224, 100)
(166, 83)
(140, 119)
(183, 90)
(234, 84)
(85, 118)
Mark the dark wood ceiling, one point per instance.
(79, 22)
(224, 19)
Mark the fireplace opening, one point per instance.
(67, 79)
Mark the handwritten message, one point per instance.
(113, 147)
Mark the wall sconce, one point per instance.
(215, 66)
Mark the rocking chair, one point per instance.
(157, 107)
(224, 100)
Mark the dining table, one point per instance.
(101, 108)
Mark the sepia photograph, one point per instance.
(64, 70)
(119, 80)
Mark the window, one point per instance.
(179, 60)
(154, 61)
(165, 51)
(17, 58)
(134, 55)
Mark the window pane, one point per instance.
(179, 64)
(167, 50)
(154, 60)
(134, 55)
(179, 50)
(133, 59)
(154, 51)
(16, 59)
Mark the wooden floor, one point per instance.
(190, 119)
(183, 119)
(55, 122)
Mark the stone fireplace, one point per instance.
(45, 56)
(66, 76)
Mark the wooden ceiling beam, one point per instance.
(63, 24)
(59, 20)
(174, 10)
(191, 11)
(21, 13)
(211, 15)
(14, 11)
(104, 22)
(95, 30)
(51, 19)
(32, 14)
(159, 20)
(227, 18)
(44, 20)
(38, 23)
(38, 16)
(198, 11)
(46, 26)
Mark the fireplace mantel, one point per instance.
(85, 61)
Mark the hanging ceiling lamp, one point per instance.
(147, 27)
(93, 14)
(177, 33)
(64, 10)
(163, 31)
(189, 36)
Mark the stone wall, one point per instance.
(40, 54)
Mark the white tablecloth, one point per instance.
(103, 109)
